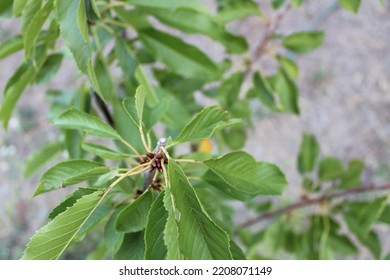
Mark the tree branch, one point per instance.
(311, 201)
(103, 108)
(271, 27)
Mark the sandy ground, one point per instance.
(344, 99)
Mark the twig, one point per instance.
(271, 28)
(311, 201)
(103, 107)
(263, 44)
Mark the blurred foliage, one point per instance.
(138, 83)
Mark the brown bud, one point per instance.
(159, 156)
(150, 155)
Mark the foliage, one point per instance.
(138, 88)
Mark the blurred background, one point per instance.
(344, 100)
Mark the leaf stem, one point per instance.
(188, 160)
(131, 147)
(141, 132)
(96, 38)
(195, 178)
(155, 176)
(112, 5)
(149, 141)
(136, 170)
(116, 23)
(105, 26)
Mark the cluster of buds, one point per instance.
(156, 159)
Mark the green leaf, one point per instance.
(68, 173)
(385, 217)
(296, 3)
(230, 89)
(102, 151)
(235, 137)
(236, 251)
(6, 8)
(330, 168)
(69, 202)
(49, 68)
(155, 248)
(11, 46)
(134, 18)
(131, 110)
(308, 153)
(196, 22)
(72, 141)
(14, 89)
(241, 173)
(15, 44)
(276, 4)
(133, 218)
(143, 80)
(373, 243)
(76, 119)
(263, 90)
(234, 10)
(29, 11)
(360, 217)
(288, 93)
(101, 79)
(176, 117)
(341, 244)
(51, 240)
(289, 66)
(67, 13)
(167, 4)
(92, 10)
(215, 207)
(126, 59)
(171, 231)
(351, 176)
(199, 237)
(140, 95)
(270, 178)
(112, 238)
(155, 114)
(214, 180)
(303, 42)
(18, 7)
(126, 128)
(82, 20)
(350, 5)
(139, 113)
(98, 215)
(204, 124)
(132, 247)
(34, 28)
(40, 157)
(182, 58)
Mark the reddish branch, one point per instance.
(271, 28)
(311, 201)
